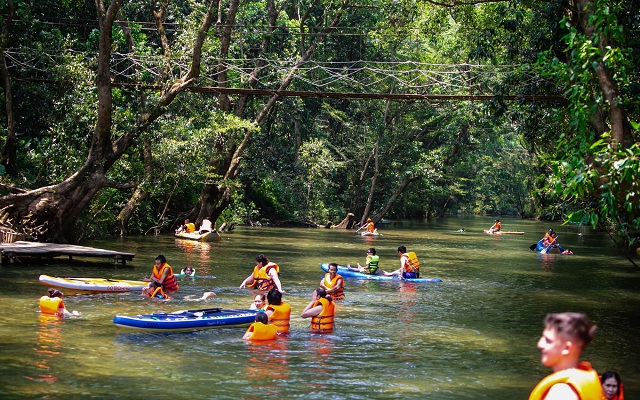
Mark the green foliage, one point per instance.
(595, 176)
(615, 175)
(240, 211)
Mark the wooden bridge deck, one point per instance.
(34, 249)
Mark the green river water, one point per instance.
(473, 336)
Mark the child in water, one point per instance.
(154, 291)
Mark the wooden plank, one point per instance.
(35, 249)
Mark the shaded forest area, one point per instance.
(122, 116)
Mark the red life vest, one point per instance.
(170, 282)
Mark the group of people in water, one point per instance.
(563, 338)
(265, 279)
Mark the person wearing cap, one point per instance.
(371, 263)
(495, 227)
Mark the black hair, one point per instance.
(371, 250)
(274, 297)
(614, 375)
(261, 258)
(262, 317)
(161, 258)
(402, 249)
(323, 294)
(54, 292)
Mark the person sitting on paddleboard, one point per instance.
(333, 283)
(52, 304)
(205, 226)
(187, 227)
(370, 227)
(371, 263)
(409, 265)
(495, 227)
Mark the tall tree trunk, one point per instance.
(215, 197)
(617, 116)
(140, 194)
(52, 212)
(376, 165)
(8, 157)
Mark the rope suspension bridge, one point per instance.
(362, 79)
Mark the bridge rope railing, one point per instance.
(364, 78)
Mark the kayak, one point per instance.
(347, 273)
(540, 247)
(96, 285)
(205, 237)
(187, 320)
(504, 232)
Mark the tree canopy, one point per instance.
(124, 115)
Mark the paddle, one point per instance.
(533, 246)
(551, 244)
(192, 313)
(358, 230)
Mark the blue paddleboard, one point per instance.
(185, 320)
(347, 273)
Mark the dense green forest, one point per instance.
(124, 115)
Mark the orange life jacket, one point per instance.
(170, 282)
(281, 316)
(158, 292)
(262, 331)
(331, 283)
(370, 227)
(263, 281)
(412, 264)
(51, 305)
(323, 322)
(583, 380)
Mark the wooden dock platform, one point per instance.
(13, 250)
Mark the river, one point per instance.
(473, 336)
